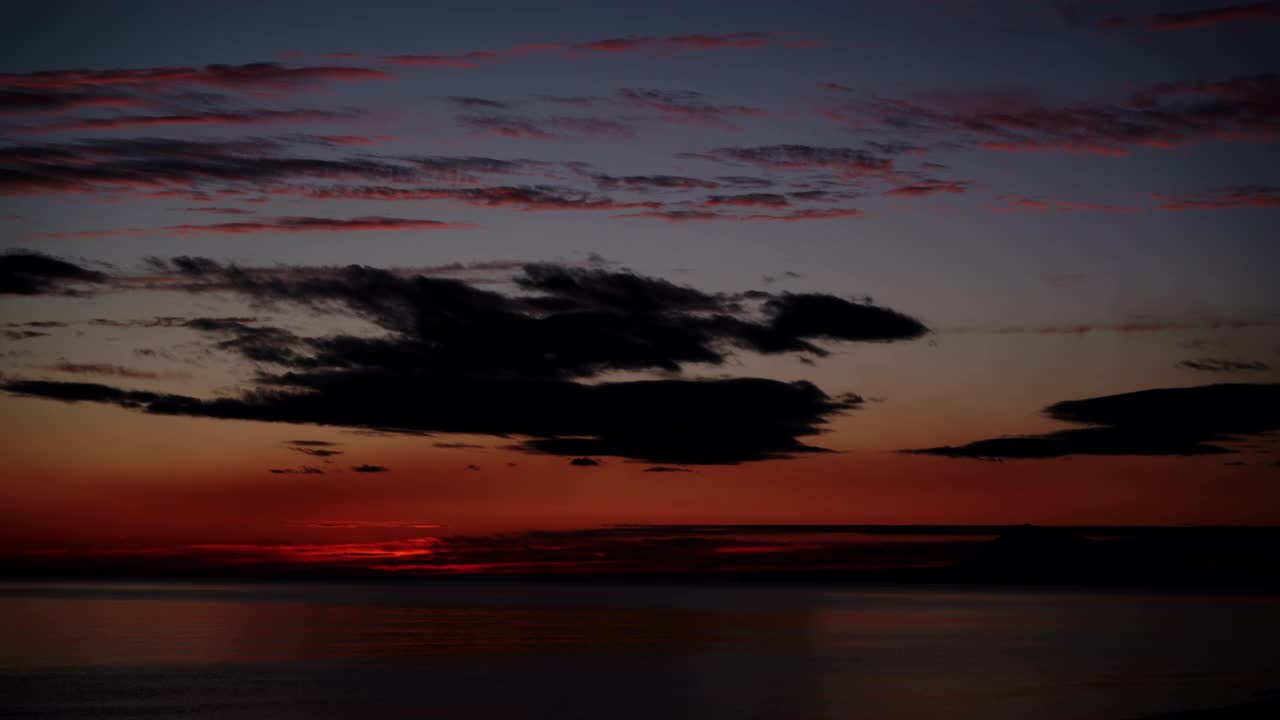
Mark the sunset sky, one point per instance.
(283, 281)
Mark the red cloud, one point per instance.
(737, 40)
(616, 44)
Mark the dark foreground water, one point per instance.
(577, 651)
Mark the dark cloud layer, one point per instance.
(455, 358)
(1216, 365)
(203, 169)
(1166, 115)
(25, 272)
(1175, 421)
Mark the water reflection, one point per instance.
(625, 652)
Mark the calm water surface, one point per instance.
(577, 651)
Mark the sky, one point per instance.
(281, 281)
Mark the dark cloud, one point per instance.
(591, 126)
(203, 169)
(845, 160)
(319, 452)
(250, 75)
(682, 216)
(581, 100)
(1247, 196)
(455, 358)
(217, 210)
(370, 469)
(37, 324)
(457, 446)
(645, 183)
(280, 225)
(24, 272)
(70, 368)
(23, 334)
(311, 443)
(748, 200)
(1158, 116)
(466, 60)
(504, 125)
(211, 117)
(471, 103)
(665, 469)
(1213, 365)
(687, 107)
(526, 197)
(19, 100)
(928, 187)
(300, 470)
(1201, 17)
(1176, 421)
(584, 462)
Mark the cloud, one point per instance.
(1174, 421)
(504, 126)
(679, 216)
(523, 197)
(300, 470)
(457, 446)
(466, 60)
(269, 75)
(63, 366)
(370, 469)
(1018, 204)
(153, 166)
(459, 359)
(686, 107)
(928, 187)
(1164, 116)
(213, 117)
(278, 225)
(1246, 196)
(584, 462)
(16, 335)
(24, 272)
(18, 101)
(1212, 365)
(847, 161)
(217, 210)
(591, 126)
(665, 469)
(311, 443)
(472, 103)
(1199, 18)
(748, 200)
(648, 183)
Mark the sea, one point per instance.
(492, 650)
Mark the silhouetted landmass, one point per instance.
(1195, 557)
